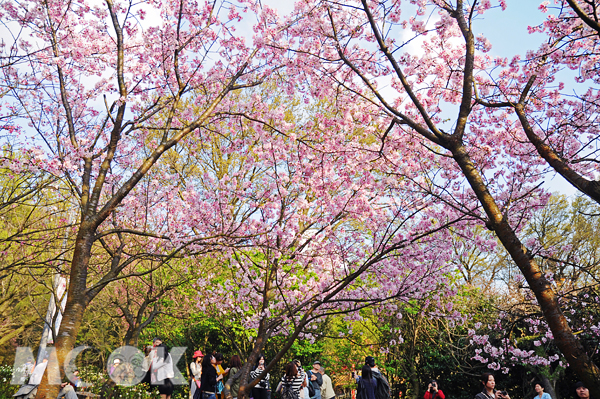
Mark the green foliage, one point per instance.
(6, 390)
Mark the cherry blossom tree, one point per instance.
(520, 335)
(96, 92)
(302, 207)
(433, 96)
(558, 112)
(330, 232)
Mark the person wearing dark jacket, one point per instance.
(367, 384)
(209, 378)
(316, 379)
(383, 386)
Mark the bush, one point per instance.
(100, 382)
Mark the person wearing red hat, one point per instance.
(196, 371)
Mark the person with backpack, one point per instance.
(383, 386)
(315, 380)
(291, 382)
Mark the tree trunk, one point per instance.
(77, 301)
(549, 386)
(564, 338)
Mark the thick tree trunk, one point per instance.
(564, 338)
(77, 301)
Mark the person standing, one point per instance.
(489, 391)
(162, 370)
(233, 383)
(260, 390)
(147, 365)
(114, 366)
(291, 383)
(383, 386)
(303, 394)
(433, 392)
(327, 391)
(220, 372)
(367, 384)
(581, 392)
(315, 379)
(209, 377)
(196, 371)
(539, 388)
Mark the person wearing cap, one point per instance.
(383, 386)
(196, 372)
(316, 379)
(114, 366)
(581, 392)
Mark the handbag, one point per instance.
(311, 389)
(220, 386)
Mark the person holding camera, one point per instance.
(433, 392)
(488, 391)
(262, 389)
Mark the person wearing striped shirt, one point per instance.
(291, 379)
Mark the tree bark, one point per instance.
(547, 299)
(77, 301)
(591, 188)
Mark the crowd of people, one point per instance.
(207, 379)
(296, 383)
(489, 391)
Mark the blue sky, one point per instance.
(508, 33)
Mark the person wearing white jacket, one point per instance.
(162, 370)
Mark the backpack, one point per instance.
(311, 388)
(287, 391)
(383, 387)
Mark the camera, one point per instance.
(263, 384)
(503, 393)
